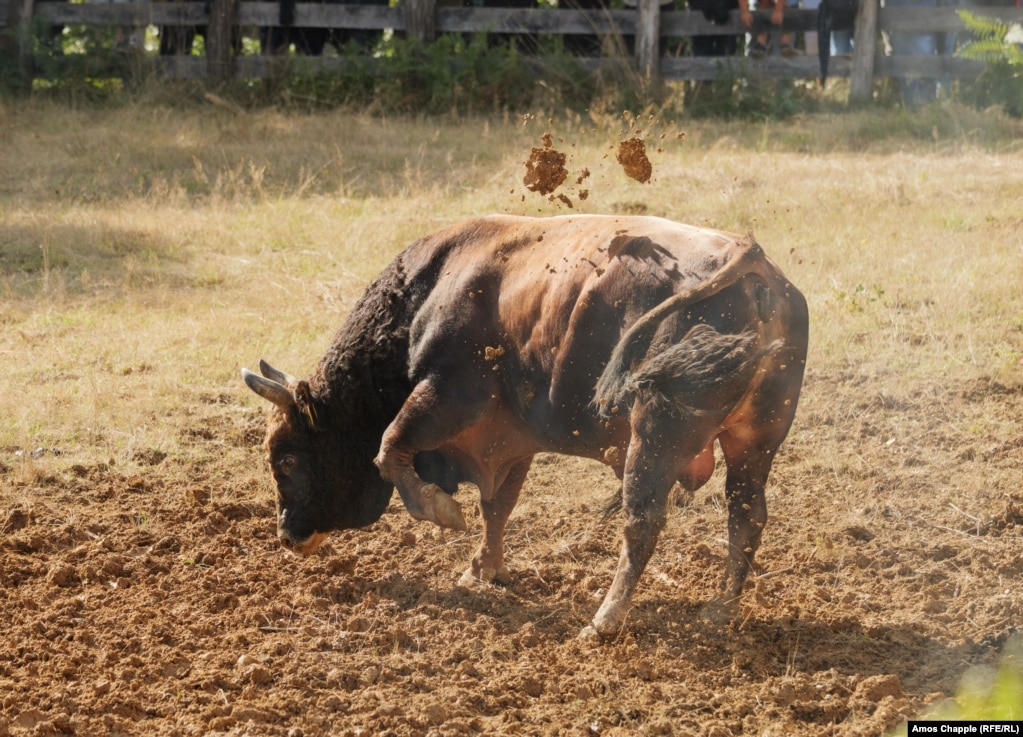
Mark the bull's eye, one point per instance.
(287, 464)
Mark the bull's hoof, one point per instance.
(446, 512)
(475, 577)
(609, 620)
(720, 611)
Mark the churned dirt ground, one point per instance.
(145, 256)
(159, 602)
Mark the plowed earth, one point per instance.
(155, 600)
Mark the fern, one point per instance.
(995, 40)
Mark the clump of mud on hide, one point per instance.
(631, 154)
(545, 167)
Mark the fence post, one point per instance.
(421, 20)
(648, 37)
(219, 39)
(18, 45)
(861, 80)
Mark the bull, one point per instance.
(635, 341)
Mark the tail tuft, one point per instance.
(683, 373)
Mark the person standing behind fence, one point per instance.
(758, 47)
(718, 12)
(841, 40)
(916, 89)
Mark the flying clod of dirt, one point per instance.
(545, 168)
(631, 154)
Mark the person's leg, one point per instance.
(841, 43)
(915, 90)
(787, 47)
(810, 37)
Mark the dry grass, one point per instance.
(148, 253)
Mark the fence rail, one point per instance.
(865, 64)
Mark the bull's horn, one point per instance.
(274, 375)
(268, 389)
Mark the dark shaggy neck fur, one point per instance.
(362, 381)
(365, 371)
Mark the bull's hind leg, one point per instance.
(748, 467)
(488, 563)
(749, 449)
(661, 449)
(430, 416)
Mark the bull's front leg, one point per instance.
(429, 417)
(488, 563)
(423, 500)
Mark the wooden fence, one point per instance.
(423, 19)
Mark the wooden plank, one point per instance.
(938, 20)
(21, 23)
(220, 39)
(322, 15)
(124, 14)
(528, 20)
(449, 19)
(933, 67)
(493, 20)
(706, 68)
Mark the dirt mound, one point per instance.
(631, 154)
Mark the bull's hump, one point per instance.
(510, 241)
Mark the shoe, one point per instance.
(788, 51)
(757, 50)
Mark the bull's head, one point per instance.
(322, 483)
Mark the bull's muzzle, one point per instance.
(304, 546)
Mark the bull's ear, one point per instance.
(269, 390)
(305, 403)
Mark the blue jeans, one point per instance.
(915, 90)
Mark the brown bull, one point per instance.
(632, 340)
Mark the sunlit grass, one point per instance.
(194, 241)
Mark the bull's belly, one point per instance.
(484, 453)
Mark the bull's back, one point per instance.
(543, 276)
(546, 300)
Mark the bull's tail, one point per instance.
(704, 361)
(679, 378)
(618, 383)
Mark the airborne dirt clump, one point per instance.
(545, 168)
(631, 154)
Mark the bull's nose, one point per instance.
(304, 546)
(286, 540)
